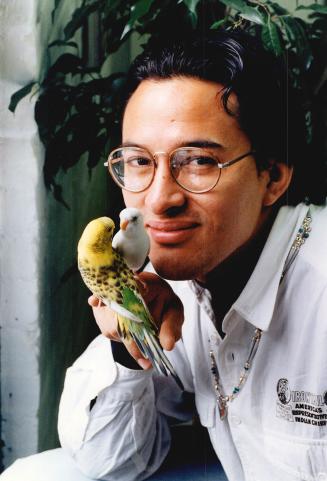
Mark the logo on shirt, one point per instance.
(300, 406)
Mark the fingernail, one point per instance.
(144, 363)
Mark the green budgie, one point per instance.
(107, 275)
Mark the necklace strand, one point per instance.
(221, 398)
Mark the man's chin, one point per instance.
(173, 271)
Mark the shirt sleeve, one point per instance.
(124, 435)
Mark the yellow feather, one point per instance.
(95, 243)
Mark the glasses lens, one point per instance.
(132, 168)
(195, 169)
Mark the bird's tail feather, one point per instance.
(150, 348)
(161, 359)
(142, 347)
(155, 354)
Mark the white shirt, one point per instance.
(276, 428)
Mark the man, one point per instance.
(218, 159)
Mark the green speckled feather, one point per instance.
(106, 274)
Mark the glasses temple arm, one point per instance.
(231, 162)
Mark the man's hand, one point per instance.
(165, 307)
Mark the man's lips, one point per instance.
(171, 232)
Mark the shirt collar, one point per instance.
(256, 302)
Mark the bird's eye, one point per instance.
(134, 219)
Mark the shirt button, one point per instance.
(230, 357)
(215, 339)
(321, 476)
(236, 420)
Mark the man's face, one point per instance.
(190, 233)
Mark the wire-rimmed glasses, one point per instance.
(195, 169)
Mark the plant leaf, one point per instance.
(96, 153)
(253, 15)
(57, 194)
(19, 95)
(315, 7)
(79, 17)
(245, 11)
(62, 43)
(270, 37)
(218, 24)
(239, 5)
(56, 5)
(138, 11)
(66, 63)
(298, 38)
(111, 5)
(191, 5)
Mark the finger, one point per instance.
(150, 284)
(171, 326)
(108, 332)
(106, 320)
(142, 285)
(94, 301)
(137, 355)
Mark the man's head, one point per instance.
(227, 95)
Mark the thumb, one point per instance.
(171, 329)
(94, 301)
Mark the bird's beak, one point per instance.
(124, 224)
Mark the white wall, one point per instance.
(21, 200)
(42, 330)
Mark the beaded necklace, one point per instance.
(222, 399)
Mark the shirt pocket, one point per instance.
(302, 458)
(206, 408)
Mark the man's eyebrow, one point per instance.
(201, 144)
(188, 143)
(132, 144)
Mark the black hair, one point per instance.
(270, 111)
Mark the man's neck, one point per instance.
(226, 281)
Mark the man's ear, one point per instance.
(280, 176)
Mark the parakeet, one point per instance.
(107, 275)
(132, 241)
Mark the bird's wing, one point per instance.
(121, 310)
(145, 334)
(116, 241)
(134, 303)
(116, 286)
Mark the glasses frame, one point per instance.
(220, 165)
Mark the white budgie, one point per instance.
(132, 241)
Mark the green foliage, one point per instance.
(19, 95)
(271, 37)
(79, 106)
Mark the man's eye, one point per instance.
(195, 162)
(202, 161)
(138, 162)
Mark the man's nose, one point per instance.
(164, 193)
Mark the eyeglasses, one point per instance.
(196, 170)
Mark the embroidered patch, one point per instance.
(300, 406)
